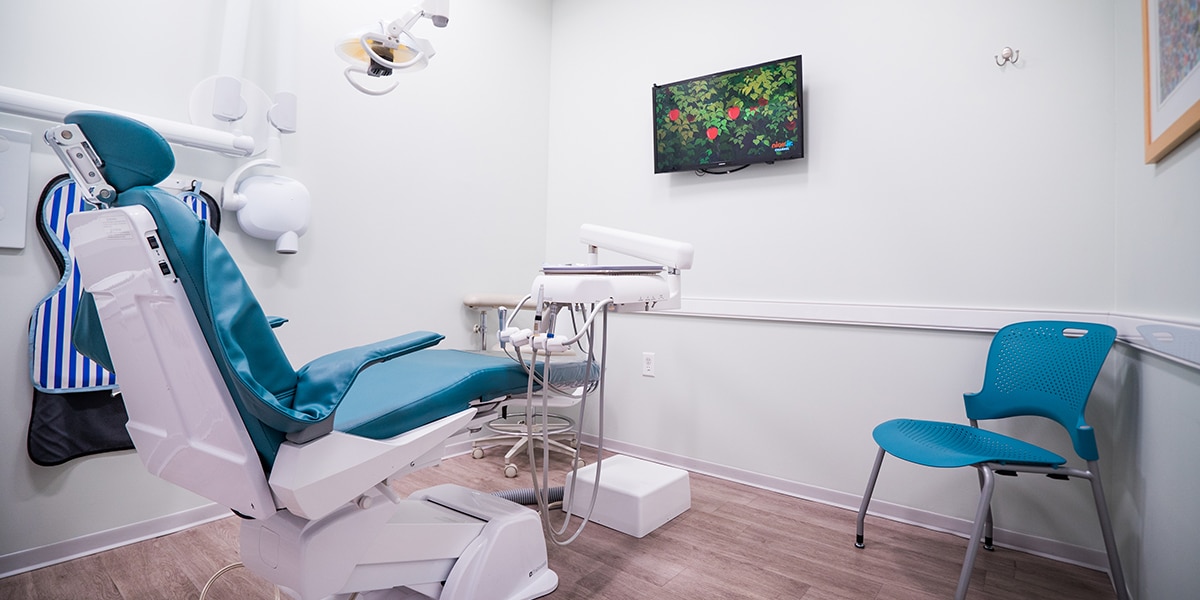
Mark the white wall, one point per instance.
(420, 197)
(933, 178)
(1157, 215)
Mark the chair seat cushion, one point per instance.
(406, 392)
(939, 444)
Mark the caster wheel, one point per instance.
(510, 471)
(574, 443)
(477, 453)
(579, 463)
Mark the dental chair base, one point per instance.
(479, 545)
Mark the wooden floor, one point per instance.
(735, 542)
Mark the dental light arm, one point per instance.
(384, 50)
(669, 253)
(82, 163)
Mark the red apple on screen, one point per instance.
(674, 114)
(712, 133)
(734, 112)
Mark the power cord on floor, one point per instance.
(230, 567)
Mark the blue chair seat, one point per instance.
(939, 444)
(436, 384)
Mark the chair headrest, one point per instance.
(133, 153)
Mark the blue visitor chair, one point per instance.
(1042, 368)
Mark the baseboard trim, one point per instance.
(1039, 546)
(50, 554)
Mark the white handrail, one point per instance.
(51, 108)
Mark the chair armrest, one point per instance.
(87, 334)
(322, 383)
(314, 479)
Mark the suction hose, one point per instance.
(526, 496)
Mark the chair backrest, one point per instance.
(257, 372)
(182, 417)
(237, 331)
(1047, 369)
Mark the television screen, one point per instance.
(739, 117)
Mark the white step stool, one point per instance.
(635, 497)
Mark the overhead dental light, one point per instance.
(382, 50)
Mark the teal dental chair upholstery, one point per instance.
(1040, 368)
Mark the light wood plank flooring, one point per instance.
(735, 542)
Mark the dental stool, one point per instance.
(304, 456)
(511, 427)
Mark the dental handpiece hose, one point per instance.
(556, 534)
(537, 315)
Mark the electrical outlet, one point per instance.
(647, 364)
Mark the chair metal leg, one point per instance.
(1110, 542)
(862, 511)
(985, 501)
(987, 525)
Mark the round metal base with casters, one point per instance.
(517, 429)
(516, 425)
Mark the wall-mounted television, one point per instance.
(730, 119)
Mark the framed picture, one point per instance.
(1171, 50)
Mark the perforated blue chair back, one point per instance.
(1047, 369)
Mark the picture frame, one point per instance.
(1171, 65)
(1171, 69)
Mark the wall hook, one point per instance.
(1007, 55)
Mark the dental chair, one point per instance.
(304, 456)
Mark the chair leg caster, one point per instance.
(477, 453)
(510, 471)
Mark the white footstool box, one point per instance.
(635, 497)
